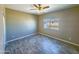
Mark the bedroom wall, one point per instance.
(2, 29)
(68, 24)
(19, 24)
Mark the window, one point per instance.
(51, 23)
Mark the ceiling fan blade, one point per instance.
(35, 5)
(32, 9)
(39, 5)
(45, 7)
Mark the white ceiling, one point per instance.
(26, 8)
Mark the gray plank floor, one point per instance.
(39, 44)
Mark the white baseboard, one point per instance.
(42, 34)
(20, 37)
(60, 39)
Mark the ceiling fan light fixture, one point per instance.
(40, 7)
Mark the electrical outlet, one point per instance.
(69, 38)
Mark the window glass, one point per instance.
(51, 23)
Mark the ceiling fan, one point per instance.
(39, 7)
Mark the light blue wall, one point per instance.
(19, 24)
